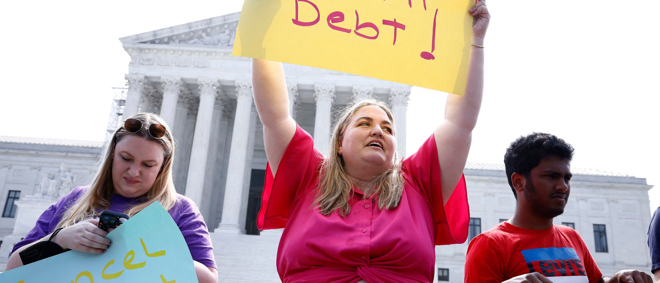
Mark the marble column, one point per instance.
(399, 102)
(218, 164)
(294, 101)
(172, 87)
(231, 208)
(324, 95)
(134, 94)
(208, 90)
(228, 118)
(362, 93)
(254, 116)
(180, 167)
(185, 146)
(214, 162)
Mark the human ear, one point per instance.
(518, 182)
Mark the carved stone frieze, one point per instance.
(165, 61)
(217, 36)
(231, 65)
(147, 60)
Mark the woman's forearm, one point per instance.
(15, 260)
(205, 274)
(463, 111)
(272, 101)
(270, 93)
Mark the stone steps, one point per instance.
(246, 258)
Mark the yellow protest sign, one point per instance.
(418, 42)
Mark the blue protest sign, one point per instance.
(147, 248)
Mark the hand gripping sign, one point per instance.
(147, 248)
(418, 42)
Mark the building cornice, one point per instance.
(182, 29)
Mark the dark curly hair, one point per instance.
(526, 152)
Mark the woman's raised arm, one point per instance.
(272, 101)
(454, 135)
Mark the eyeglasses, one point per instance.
(156, 131)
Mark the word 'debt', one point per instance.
(86, 276)
(367, 30)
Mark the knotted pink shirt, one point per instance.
(368, 244)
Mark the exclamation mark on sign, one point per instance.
(429, 55)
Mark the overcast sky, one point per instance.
(585, 71)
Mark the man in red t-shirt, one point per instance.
(528, 247)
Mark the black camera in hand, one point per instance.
(111, 220)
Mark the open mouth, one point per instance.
(376, 143)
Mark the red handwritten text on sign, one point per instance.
(367, 30)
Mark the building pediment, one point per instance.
(204, 49)
(218, 32)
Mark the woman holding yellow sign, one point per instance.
(135, 172)
(358, 213)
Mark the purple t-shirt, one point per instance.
(185, 213)
(654, 240)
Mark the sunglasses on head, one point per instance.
(155, 130)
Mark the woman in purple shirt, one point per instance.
(135, 172)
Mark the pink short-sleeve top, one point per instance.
(395, 245)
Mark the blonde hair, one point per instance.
(335, 187)
(97, 197)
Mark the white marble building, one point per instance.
(42, 168)
(187, 74)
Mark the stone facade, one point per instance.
(43, 169)
(187, 74)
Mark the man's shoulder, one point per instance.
(497, 233)
(567, 231)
